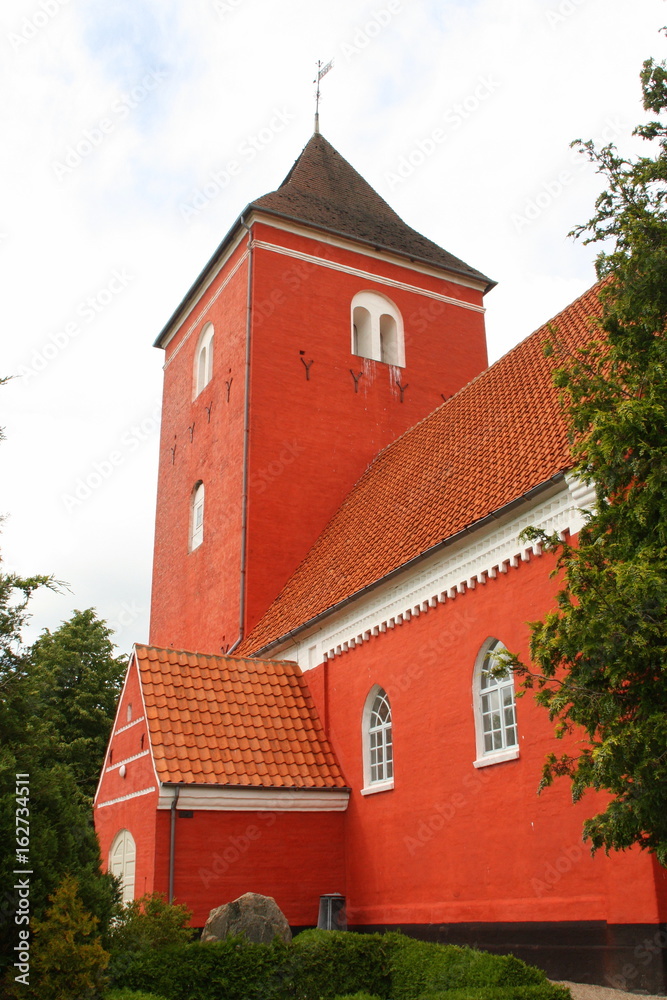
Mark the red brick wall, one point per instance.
(310, 440)
(294, 857)
(452, 843)
(134, 814)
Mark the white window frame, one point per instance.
(481, 698)
(380, 309)
(369, 730)
(197, 516)
(122, 863)
(203, 365)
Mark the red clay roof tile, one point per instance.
(499, 437)
(218, 717)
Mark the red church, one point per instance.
(343, 482)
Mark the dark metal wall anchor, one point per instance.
(208, 411)
(192, 432)
(402, 388)
(356, 379)
(306, 365)
(228, 383)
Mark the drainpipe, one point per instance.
(246, 447)
(172, 842)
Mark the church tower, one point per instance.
(320, 330)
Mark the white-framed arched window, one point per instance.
(203, 359)
(377, 329)
(122, 859)
(495, 709)
(377, 742)
(197, 517)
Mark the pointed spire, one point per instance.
(323, 191)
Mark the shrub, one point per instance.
(419, 967)
(545, 991)
(358, 996)
(326, 964)
(232, 969)
(68, 960)
(146, 924)
(131, 995)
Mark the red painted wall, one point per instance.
(310, 439)
(452, 843)
(134, 814)
(195, 595)
(294, 857)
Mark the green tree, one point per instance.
(76, 680)
(67, 957)
(600, 659)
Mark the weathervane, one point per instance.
(321, 71)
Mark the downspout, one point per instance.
(172, 842)
(246, 447)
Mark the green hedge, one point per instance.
(545, 991)
(331, 965)
(131, 995)
(418, 967)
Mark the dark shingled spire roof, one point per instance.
(324, 191)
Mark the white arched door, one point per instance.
(121, 862)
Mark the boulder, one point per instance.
(257, 918)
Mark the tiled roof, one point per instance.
(324, 191)
(228, 721)
(500, 436)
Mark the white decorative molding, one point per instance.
(366, 275)
(112, 767)
(444, 576)
(254, 798)
(134, 722)
(385, 255)
(124, 798)
(202, 312)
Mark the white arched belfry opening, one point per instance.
(377, 329)
(122, 858)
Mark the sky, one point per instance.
(119, 125)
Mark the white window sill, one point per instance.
(378, 786)
(496, 758)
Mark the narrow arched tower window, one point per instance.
(377, 329)
(203, 359)
(197, 517)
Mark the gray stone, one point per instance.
(257, 918)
